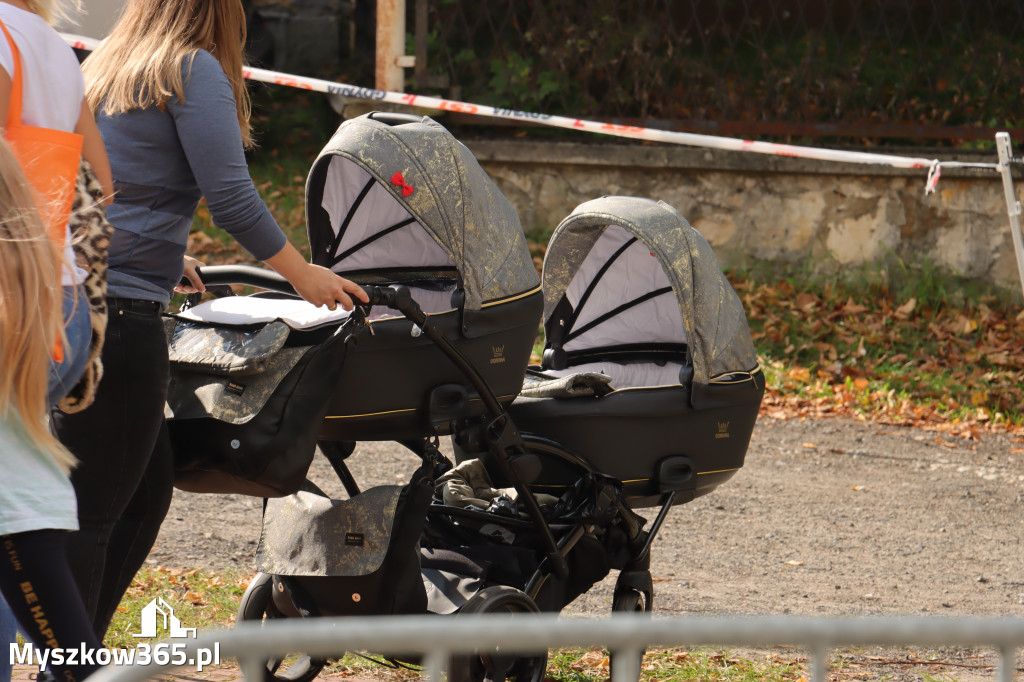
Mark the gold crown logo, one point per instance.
(723, 426)
(499, 355)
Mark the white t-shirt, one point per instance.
(52, 86)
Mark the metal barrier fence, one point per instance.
(626, 635)
(861, 69)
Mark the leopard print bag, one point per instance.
(90, 239)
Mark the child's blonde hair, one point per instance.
(31, 300)
(53, 11)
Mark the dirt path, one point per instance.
(828, 517)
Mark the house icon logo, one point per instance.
(160, 612)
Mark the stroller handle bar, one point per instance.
(397, 298)
(248, 275)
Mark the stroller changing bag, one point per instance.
(358, 556)
(245, 403)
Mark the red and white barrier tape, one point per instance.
(934, 166)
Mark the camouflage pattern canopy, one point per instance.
(384, 176)
(714, 325)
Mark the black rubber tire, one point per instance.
(258, 605)
(491, 666)
(627, 600)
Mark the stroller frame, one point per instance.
(510, 450)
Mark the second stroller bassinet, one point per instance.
(634, 293)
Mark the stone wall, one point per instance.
(766, 208)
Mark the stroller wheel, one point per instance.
(630, 601)
(627, 600)
(258, 605)
(493, 666)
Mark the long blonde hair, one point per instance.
(31, 301)
(53, 11)
(139, 65)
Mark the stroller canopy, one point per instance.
(626, 276)
(397, 193)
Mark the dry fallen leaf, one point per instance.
(907, 308)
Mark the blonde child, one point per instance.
(37, 501)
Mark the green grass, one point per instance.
(703, 664)
(208, 600)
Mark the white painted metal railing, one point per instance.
(437, 637)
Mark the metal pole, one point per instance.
(1012, 205)
(388, 73)
(1007, 663)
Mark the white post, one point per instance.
(1012, 205)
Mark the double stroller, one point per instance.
(646, 395)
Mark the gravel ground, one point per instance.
(828, 517)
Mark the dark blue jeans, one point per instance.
(124, 477)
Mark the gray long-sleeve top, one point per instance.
(163, 161)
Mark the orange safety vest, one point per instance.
(49, 158)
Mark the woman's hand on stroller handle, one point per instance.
(395, 297)
(191, 280)
(323, 287)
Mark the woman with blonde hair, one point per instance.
(167, 89)
(37, 502)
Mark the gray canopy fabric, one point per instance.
(441, 186)
(713, 318)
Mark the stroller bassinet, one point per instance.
(395, 198)
(634, 293)
(391, 199)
